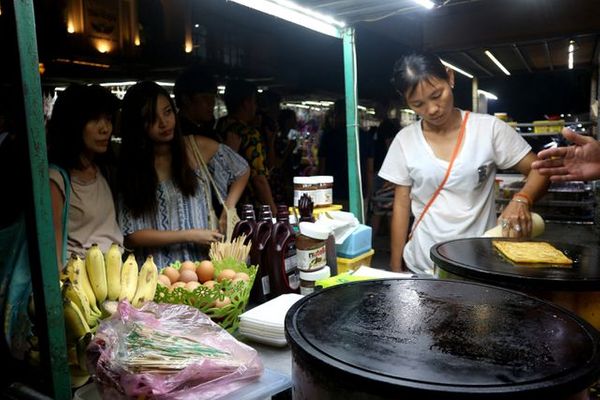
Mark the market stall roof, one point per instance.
(525, 36)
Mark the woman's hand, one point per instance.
(204, 237)
(223, 221)
(515, 220)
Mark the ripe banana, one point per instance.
(78, 377)
(79, 278)
(74, 293)
(113, 272)
(80, 346)
(147, 280)
(96, 272)
(129, 278)
(75, 323)
(67, 271)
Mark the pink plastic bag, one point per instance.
(168, 351)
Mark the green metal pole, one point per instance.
(44, 270)
(354, 179)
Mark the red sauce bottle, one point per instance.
(246, 225)
(283, 263)
(261, 290)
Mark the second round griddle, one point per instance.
(477, 259)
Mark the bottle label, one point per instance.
(310, 260)
(306, 290)
(312, 193)
(266, 286)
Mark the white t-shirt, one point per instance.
(466, 205)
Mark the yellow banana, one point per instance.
(80, 347)
(79, 278)
(67, 271)
(129, 278)
(113, 272)
(75, 323)
(147, 281)
(96, 272)
(73, 293)
(78, 376)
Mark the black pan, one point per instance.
(477, 259)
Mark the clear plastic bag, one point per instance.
(168, 351)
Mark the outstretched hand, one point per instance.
(578, 162)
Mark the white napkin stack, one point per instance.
(266, 323)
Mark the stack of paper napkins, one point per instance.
(266, 323)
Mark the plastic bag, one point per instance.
(168, 351)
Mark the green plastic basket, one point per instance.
(203, 298)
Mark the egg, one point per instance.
(210, 284)
(205, 271)
(187, 265)
(164, 280)
(177, 285)
(226, 274)
(243, 276)
(172, 274)
(192, 285)
(222, 303)
(188, 276)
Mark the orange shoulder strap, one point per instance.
(459, 140)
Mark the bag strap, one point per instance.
(198, 156)
(459, 140)
(65, 216)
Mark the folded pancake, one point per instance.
(531, 252)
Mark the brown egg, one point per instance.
(205, 271)
(188, 276)
(243, 276)
(178, 285)
(164, 280)
(171, 273)
(210, 284)
(192, 285)
(187, 265)
(222, 303)
(226, 274)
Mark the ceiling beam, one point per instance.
(548, 55)
(519, 54)
(477, 64)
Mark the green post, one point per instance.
(44, 270)
(354, 179)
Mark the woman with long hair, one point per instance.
(79, 134)
(165, 201)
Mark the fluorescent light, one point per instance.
(292, 12)
(170, 84)
(428, 4)
(126, 83)
(571, 50)
(498, 63)
(488, 95)
(460, 71)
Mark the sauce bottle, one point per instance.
(246, 225)
(283, 262)
(261, 290)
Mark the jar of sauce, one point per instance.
(308, 280)
(311, 246)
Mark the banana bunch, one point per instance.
(91, 290)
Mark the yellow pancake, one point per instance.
(531, 252)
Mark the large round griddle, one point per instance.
(427, 338)
(477, 259)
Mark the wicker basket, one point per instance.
(204, 298)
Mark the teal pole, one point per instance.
(354, 179)
(44, 270)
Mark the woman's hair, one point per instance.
(137, 176)
(74, 108)
(414, 68)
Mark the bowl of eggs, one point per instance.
(218, 288)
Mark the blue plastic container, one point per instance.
(359, 242)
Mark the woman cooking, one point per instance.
(444, 166)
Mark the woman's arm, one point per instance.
(399, 226)
(233, 196)
(516, 217)
(58, 202)
(156, 238)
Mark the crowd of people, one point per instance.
(169, 185)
